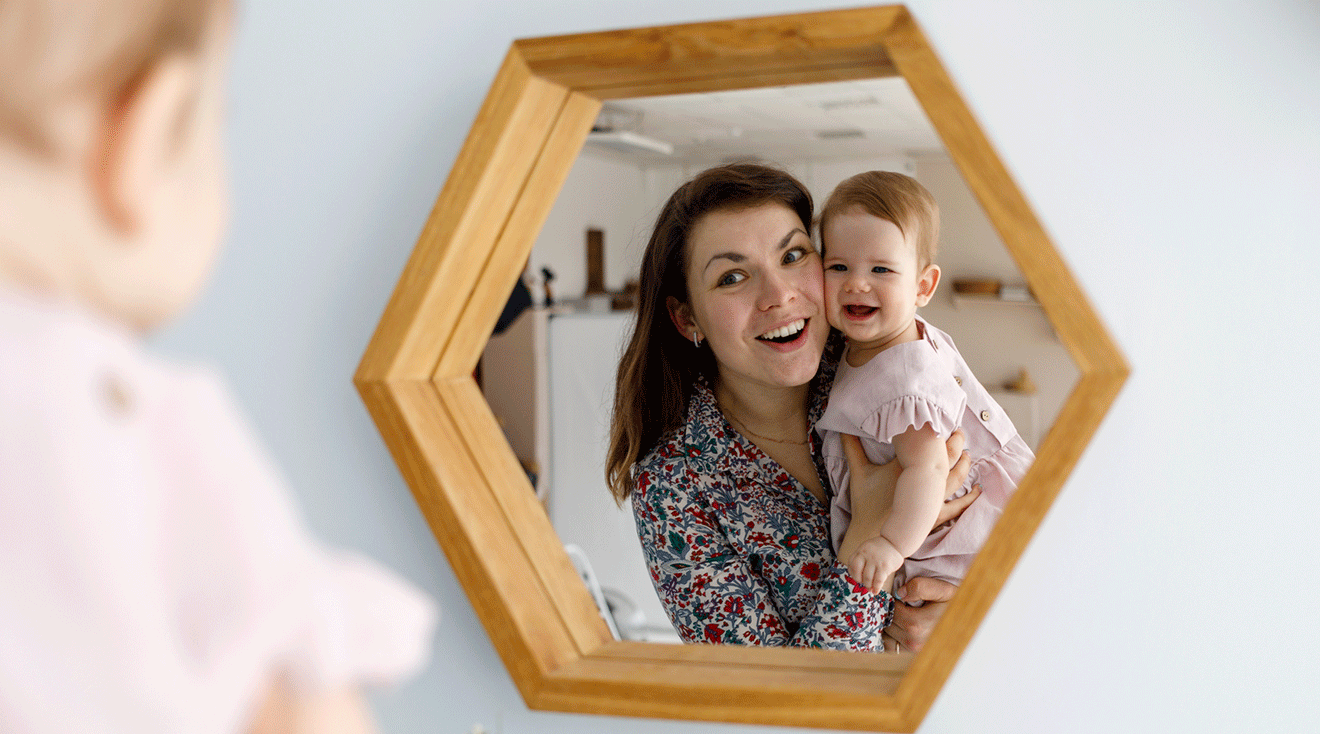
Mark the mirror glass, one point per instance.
(549, 374)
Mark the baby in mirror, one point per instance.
(903, 387)
(157, 576)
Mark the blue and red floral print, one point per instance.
(738, 549)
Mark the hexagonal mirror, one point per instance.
(548, 371)
(822, 94)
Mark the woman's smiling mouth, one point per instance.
(784, 334)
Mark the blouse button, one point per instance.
(957, 379)
(116, 398)
(985, 415)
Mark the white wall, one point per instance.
(1171, 150)
(601, 192)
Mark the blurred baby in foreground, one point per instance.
(154, 573)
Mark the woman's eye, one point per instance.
(795, 254)
(730, 279)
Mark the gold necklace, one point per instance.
(767, 438)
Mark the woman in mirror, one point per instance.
(725, 374)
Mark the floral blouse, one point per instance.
(739, 551)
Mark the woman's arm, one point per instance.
(715, 594)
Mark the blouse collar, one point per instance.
(709, 436)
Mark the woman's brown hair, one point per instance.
(659, 367)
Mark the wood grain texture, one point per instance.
(701, 57)
(522, 514)
(414, 375)
(519, 615)
(793, 696)
(507, 256)
(469, 214)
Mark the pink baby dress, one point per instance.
(154, 572)
(910, 385)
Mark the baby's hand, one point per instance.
(874, 562)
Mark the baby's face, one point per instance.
(873, 282)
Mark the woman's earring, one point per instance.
(696, 342)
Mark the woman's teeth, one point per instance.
(784, 333)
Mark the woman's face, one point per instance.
(756, 295)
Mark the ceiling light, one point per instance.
(629, 142)
(843, 134)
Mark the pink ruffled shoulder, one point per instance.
(909, 411)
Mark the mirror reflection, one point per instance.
(549, 374)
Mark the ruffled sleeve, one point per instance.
(910, 411)
(904, 387)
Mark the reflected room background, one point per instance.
(549, 375)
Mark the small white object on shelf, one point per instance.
(977, 299)
(1019, 293)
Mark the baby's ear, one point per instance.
(927, 283)
(137, 140)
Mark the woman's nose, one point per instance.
(776, 290)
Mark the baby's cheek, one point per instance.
(831, 298)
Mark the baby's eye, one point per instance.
(731, 278)
(880, 269)
(837, 267)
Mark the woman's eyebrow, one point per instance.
(737, 257)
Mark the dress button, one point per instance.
(985, 415)
(957, 379)
(116, 397)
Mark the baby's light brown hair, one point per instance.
(892, 197)
(52, 51)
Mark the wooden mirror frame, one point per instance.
(416, 374)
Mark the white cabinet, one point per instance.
(562, 407)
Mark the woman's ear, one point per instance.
(927, 283)
(681, 315)
(138, 139)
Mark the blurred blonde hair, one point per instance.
(53, 51)
(892, 197)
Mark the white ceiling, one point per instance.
(836, 120)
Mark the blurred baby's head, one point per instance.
(111, 141)
(894, 198)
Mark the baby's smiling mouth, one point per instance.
(784, 334)
(859, 311)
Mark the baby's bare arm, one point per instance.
(920, 490)
(874, 563)
(872, 487)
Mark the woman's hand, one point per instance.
(913, 624)
(960, 465)
(872, 492)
